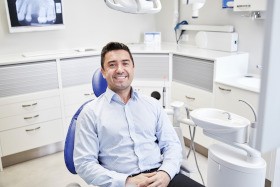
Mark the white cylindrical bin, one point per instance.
(228, 167)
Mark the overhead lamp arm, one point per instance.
(135, 6)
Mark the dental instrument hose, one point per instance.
(192, 147)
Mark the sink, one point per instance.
(221, 125)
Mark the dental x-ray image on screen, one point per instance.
(34, 13)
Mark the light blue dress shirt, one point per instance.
(114, 140)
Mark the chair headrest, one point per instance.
(99, 84)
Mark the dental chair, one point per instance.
(99, 86)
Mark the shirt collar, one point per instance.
(112, 96)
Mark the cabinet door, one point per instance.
(194, 72)
(27, 78)
(151, 67)
(227, 98)
(77, 71)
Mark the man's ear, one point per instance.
(103, 72)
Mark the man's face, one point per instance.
(118, 70)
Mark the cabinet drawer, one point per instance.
(33, 136)
(29, 106)
(29, 118)
(192, 97)
(77, 95)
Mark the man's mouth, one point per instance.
(122, 77)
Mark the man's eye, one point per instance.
(112, 65)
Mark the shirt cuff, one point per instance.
(170, 169)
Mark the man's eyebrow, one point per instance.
(111, 61)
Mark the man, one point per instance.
(124, 138)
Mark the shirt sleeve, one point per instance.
(169, 144)
(86, 154)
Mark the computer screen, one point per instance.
(34, 15)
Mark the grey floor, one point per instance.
(50, 171)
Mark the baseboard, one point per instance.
(267, 183)
(199, 148)
(32, 154)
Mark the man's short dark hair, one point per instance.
(111, 47)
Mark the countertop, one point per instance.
(251, 84)
(184, 50)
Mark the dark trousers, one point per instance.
(181, 180)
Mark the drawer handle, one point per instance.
(29, 130)
(23, 106)
(225, 89)
(31, 117)
(88, 94)
(190, 98)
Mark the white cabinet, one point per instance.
(32, 136)
(30, 109)
(152, 73)
(227, 98)
(193, 98)
(76, 79)
(193, 84)
(152, 67)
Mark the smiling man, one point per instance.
(124, 138)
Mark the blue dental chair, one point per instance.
(99, 86)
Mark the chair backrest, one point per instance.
(99, 85)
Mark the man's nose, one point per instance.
(120, 68)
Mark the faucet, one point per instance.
(252, 133)
(229, 116)
(253, 110)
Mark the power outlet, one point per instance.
(185, 38)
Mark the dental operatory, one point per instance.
(139, 93)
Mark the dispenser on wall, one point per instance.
(250, 5)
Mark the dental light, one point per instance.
(135, 6)
(196, 5)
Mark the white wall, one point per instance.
(251, 32)
(88, 23)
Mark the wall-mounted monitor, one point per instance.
(34, 15)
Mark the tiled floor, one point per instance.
(50, 171)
